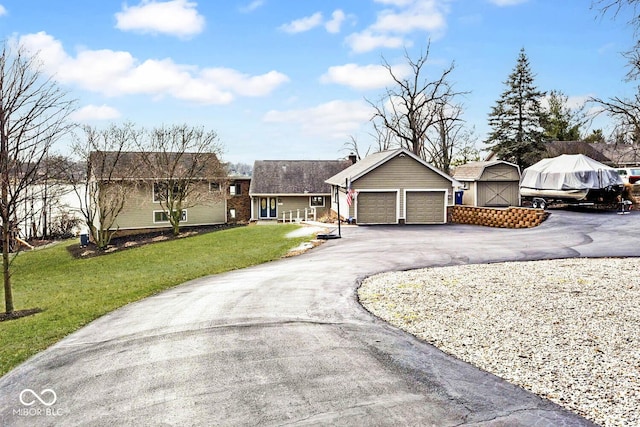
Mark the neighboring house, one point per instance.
(49, 209)
(591, 150)
(392, 187)
(619, 155)
(290, 186)
(142, 209)
(614, 155)
(494, 183)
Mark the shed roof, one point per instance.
(294, 176)
(473, 171)
(374, 160)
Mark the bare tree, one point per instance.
(616, 8)
(624, 111)
(103, 188)
(446, 138)
(33, 116)
(353, 147)
(416, 109)
(183, 160)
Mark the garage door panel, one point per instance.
(425, 207)
(377, 208)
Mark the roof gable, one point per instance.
(375, 160)
(294, 176)
(473, 171)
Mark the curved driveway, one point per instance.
(287, 343)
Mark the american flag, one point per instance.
(350, 193)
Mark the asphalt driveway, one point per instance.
(287, 343)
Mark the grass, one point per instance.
(73, 292)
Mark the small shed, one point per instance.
(491, 183)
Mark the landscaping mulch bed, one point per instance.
(17, 314)
(136, 240)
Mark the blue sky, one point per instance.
(289, 79)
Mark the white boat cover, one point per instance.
(569, 172)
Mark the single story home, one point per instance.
(392, 187)
(291, 187)
(493, 183)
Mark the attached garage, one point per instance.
(426, 207)
(392, 187)
(377, 207)
(491, 184)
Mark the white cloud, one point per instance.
(337, 18)
(244, 84)
(94, 112)
(424, 18)
(401, 18)
(334, 119)
(398, 3)
(573, 102)
(3, 10)
(303, 24)
(252, 6)
(502, 3)
(367, 41)
(118, 73)
(363, 76)
(176, 17)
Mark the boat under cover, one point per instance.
(571, 177)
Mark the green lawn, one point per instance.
(73, 292)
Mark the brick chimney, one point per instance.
(353, 158)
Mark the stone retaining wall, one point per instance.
(512, 217)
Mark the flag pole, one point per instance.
(338, 200)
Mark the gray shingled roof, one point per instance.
(557, 148)
(472, 171)
(374, 160)
(131, 165)
(294, 176)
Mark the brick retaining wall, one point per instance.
(512, 217)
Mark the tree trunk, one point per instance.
(6, 274)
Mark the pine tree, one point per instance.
(516, 120)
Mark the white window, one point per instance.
(161, 191)
(316, 201)
(163, 216)
(235, 189)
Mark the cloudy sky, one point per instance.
(287, 79)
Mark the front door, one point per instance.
(268, 207)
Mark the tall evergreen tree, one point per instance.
(516, 119)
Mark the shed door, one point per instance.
(425, 207)
(498, 193)
(377, 208)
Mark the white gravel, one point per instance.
(567, 330)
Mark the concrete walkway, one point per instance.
(287, 342)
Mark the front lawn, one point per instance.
(73, 292)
